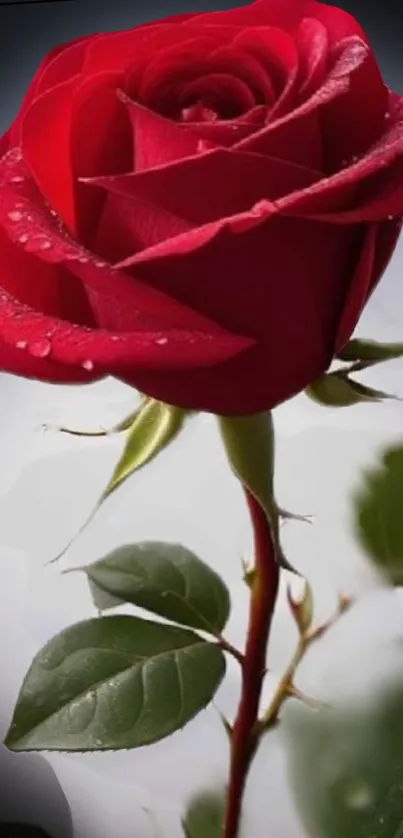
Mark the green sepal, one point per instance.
(337, 389)
(250, 449)
(154, 427)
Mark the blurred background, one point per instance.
(49, 483)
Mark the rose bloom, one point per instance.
(199, 206)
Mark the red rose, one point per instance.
(201, 206)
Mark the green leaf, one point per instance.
(101, 600)
(154, 427)
(336, 389)
(371, 351)
(112, 683)
(378, 515)
(346, 769)
(166, 579)
(204, 816)
(249, 445)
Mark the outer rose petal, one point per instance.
(163, 333)
(379, 245)
(103, 352)
(295, 296)
(130, 303)
(36, 82)
(73, 119)
(47, 126)
(21, 363)
(373, 177)
(239, 179)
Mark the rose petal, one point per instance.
(63, 66)
(122, 302)
(227, 132)
(128, 225)
(225, 94)
(32, 90)
(13, 359)
(225, 182)
(100, 351)
(247, 67)
(313, 48)
(157, 140)
(158, 82)
(297, 129)
(358, 291)
(276, 51)
(324, 196)
(43, 286)
(164, 345)
(117, 50)
(352, 123)
(46, 145)
(101, 142)
(294, 299)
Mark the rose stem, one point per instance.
(262, 603)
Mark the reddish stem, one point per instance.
(262, 603)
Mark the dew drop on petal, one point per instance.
(358, 796)
(17, 179)
(21, 344)
(161, 341)
(23, 238)
(40, 348)
(88, 365)
(203, 145)
(43, 244)
(15, 215)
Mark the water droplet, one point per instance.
(83, 259)
(359, 796)
(40, 348)
(37, 243)
(21, 344)
(17, 179)
(23, 239)
(15, 215)
(115, 338)
(100, 264)
(162, 341)
(387, 115)
(391, 217)
(88, 365)
(203, 145)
